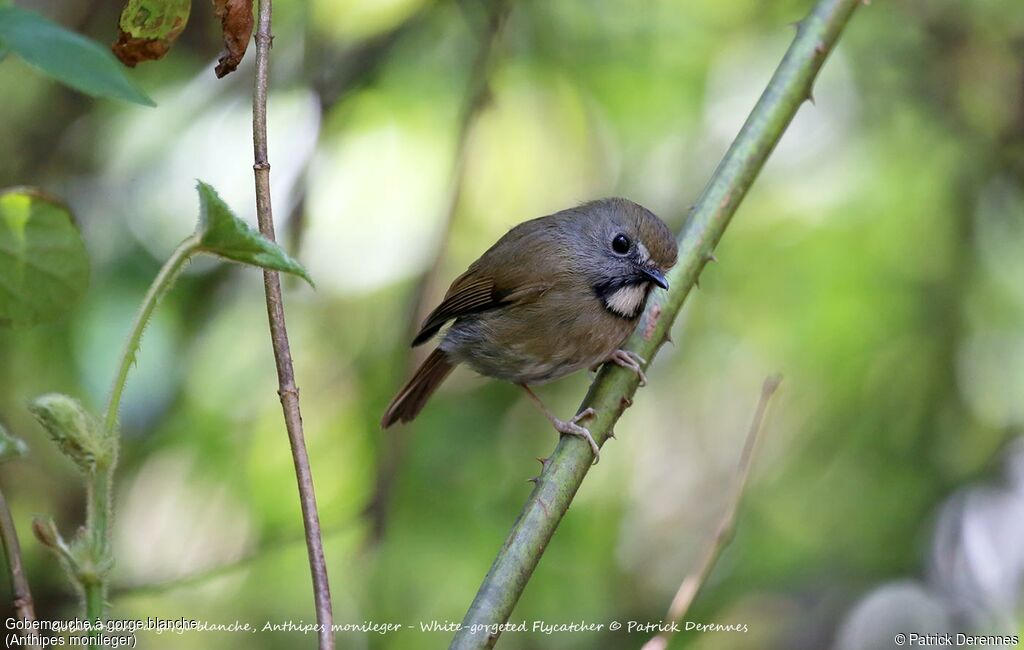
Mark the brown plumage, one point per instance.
(554, 295)
(414, 395)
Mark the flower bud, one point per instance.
(46, 532)
(76, 431)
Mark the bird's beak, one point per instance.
(655, 276)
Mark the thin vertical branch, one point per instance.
(24, 608)
(613, 389)
(477, 96)
(692, 584)
(287, 389)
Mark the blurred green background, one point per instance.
(877, 264)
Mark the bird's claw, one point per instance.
(631, 360)
(572, 428)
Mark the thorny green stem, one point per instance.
(95, 602)
(160, 286)
(614, 387)
(93, 577)
(99, 482)
(97, 513)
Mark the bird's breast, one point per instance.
(540, 341)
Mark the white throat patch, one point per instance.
(627, 300)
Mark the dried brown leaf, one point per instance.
(236, 21)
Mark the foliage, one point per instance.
(876, 265)
(66, 56)
(44, 268)
(92, 443)
(148, 28)
(236, 21)
(223, 234)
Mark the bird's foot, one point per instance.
(631, 360)
(573, 428)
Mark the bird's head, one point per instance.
(630, 250)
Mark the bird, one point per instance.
(553, 296)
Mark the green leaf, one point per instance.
(223, 234)
(148, 29)
(77, 432)
(11, 447)
(44, 267)
(70, 58)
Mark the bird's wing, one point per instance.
(520, 267)
(471, 293)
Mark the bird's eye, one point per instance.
(621, 244)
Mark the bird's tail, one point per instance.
(410, 400)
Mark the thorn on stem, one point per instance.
(626, 402)
(611, 434)
(711, 257)
(535, 480)
(810, 97)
